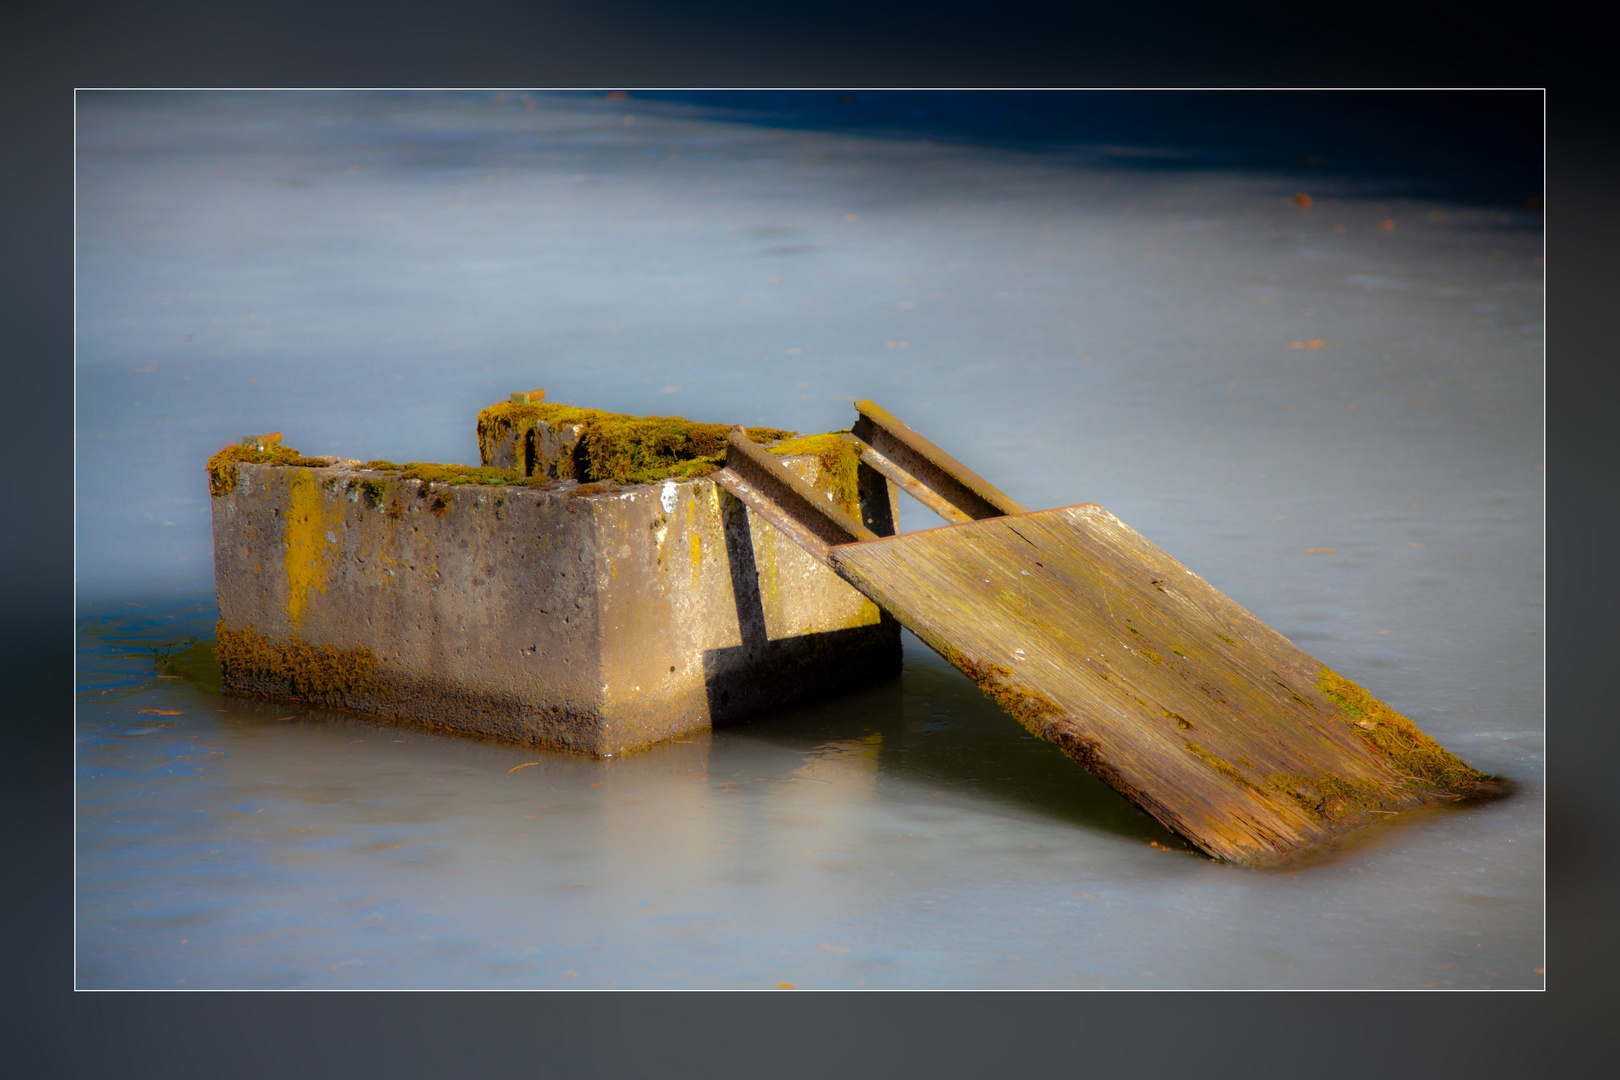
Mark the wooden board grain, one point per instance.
(1146, 674)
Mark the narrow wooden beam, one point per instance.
(772, 491)
(911, 485)
(960, 494)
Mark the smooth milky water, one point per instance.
(1330, 411)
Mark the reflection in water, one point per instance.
(908, 835)
(365, 271)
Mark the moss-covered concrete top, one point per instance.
(222, 466)
(840, 464)
(615, 447)
(222, 472)
(612, 448)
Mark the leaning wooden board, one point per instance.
(1150, 677)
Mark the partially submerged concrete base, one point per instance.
(597, 619)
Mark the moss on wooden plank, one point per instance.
(1410, 753)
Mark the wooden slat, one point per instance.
(971, 496)
(773, 512)
(912, 486)
(1140, 670)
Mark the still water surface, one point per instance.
(1330, 411)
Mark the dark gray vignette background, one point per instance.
(148, 1045)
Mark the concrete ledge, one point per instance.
(598, 619)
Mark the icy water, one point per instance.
(1330, 411)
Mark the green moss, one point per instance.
(688, 470)
(1410, 753)
(1029, 707)
(840, 461)
(646, 449)
(1220, 765)
(375, 490)
(317, 672)
(500, 421)
(380, 465)
(1328, 797)
(1181, 721)
(459, 474)
(616, 448)
(222, 472)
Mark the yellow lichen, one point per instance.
(304, 542)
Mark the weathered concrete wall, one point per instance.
(595, 622)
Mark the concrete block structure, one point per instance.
(509, 602)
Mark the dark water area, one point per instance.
(1481, 146)
(1330, 409)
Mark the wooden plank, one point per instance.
(970, 495)
(1154, 680)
